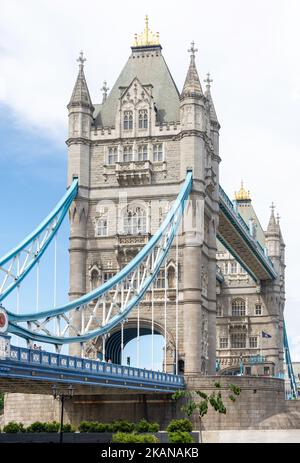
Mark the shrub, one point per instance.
(144, 426)
(179, 437)
(94, 426)
(37, 426)
(13, 427)
(128, 438)
(68, 428)
(183, 425)
(123, 426)
(52, 427)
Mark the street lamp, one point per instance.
(62, 396)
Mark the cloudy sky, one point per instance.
(251, 50)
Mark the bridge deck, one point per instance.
(36, 371)
(235, 235)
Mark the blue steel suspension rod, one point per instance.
(129, 268)
(61, 208)
(175, 216)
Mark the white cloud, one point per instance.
(251, 49)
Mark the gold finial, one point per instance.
(147, 37)
(242, 194)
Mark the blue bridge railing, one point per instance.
(21, 356)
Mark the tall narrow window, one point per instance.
(157, 152)
(128, 120)
(134, 220)
(112, 155)
(127, 154)
(143, 152)
(160, 280)
(94, 279)
(233, 267)
(102, 226)
(238, 308)
(258, 310)
(171, 277)
(143, 119)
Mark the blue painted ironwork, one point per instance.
(148, 260)
(17, 263)
(289, 365)
(227, 207)
(36, 365)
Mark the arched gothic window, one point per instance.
(171, 277)
(238, 308)
(127, 154)
(143, 119)
(95, 279)
(135, 220)
(128, 120)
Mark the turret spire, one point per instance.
(81, 95)
(192, 85)
(273, 225)
(212, 112)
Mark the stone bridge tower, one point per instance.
(131, 154)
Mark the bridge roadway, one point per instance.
(37, 371)
(236, 236)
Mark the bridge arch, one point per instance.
(113, 342)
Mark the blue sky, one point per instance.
(252, 52)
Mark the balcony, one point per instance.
(130, 245)
(134, 173)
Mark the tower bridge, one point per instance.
(156, 247)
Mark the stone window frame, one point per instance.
(253, 344)
(102, 225)
(258, 309)
(143, 152)
(128, 120)
(238, 340)
(143, 119)
(223, 343)
(238, 307)
(157, 152)
(128, 153)
(138, 223)
(233, 267)
(112, 155)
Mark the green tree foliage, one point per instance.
(195, 405)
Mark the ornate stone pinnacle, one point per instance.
(208, 80)
(104, 90)
(193, 50)
(81, 60)
(272, 207)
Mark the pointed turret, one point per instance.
(273, 225)
(212, 112)
(80, 121)
(81, 95)
(272, 235)
(192, 86)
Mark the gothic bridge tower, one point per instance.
(131, 153)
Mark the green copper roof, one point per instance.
(149, 66)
